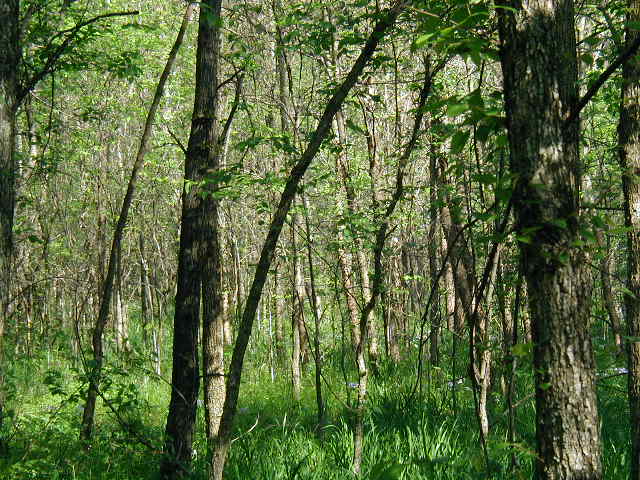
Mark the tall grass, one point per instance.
(408, 435)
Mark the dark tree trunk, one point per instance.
(9, 60)
(538, 54)
(197, 241)
(629, 154)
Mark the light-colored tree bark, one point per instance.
(629, 156)
(541, 100)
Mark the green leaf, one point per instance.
(627, 292)
(386, 471)
(459, 140)
(485, 178)
(423, 40)
(456, 109)
(355, 127)
(522, 349)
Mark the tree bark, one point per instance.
(297, 316)
(608, 295)
(9, 61)
(629, 156)
(207, 147)
(539, 64)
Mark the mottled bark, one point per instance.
(538, 54)
(207, 146)
(629, 155)
(9, 60)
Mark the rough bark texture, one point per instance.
(206, 147)
(538, 54)
(629, 154)
(185, 378)
(9, 60)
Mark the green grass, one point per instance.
(407, 436)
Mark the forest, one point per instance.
(301, 239)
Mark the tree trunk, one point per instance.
(629, 154)
(297, 317)
(539, 65)
(435, 241)
(9, 60)
(314, 301)
(206, 149)
(608, 295)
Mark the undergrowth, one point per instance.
(411, 432)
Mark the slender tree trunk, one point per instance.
(629, 155)
(435, 239)
(380, 240)
(107, 289)
(297, 317)
(608, 295)
(9, 61)
(538, 54)
(269, 246)
(314, 298)
(278, 308)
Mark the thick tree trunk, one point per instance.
(207, 147)
(629, 154)
(538, 54)
(195, 250)
(9, 60)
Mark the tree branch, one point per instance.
(59, 51)
(604, 76)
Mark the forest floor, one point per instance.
(428, 435)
